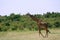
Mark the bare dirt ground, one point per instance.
(29, 35)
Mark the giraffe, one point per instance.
(40, 24)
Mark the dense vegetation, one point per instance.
(24, 22)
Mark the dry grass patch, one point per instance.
(29, 35)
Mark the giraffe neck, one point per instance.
(34, 18)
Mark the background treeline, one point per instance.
(24, 22)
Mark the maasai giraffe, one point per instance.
(40, 24)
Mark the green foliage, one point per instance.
(4, 28)
(22, 22)
(14, 17)
(49, 25)
(57, 24)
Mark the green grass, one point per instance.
(29, 35)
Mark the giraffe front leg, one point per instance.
(40, 33)
(39, 27)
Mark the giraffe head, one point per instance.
(28, 14)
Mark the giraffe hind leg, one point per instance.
(47, 33)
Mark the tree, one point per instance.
(47, 15)
(14, 17)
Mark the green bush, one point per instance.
(4, 28)
(21, 22)
(57, 24)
